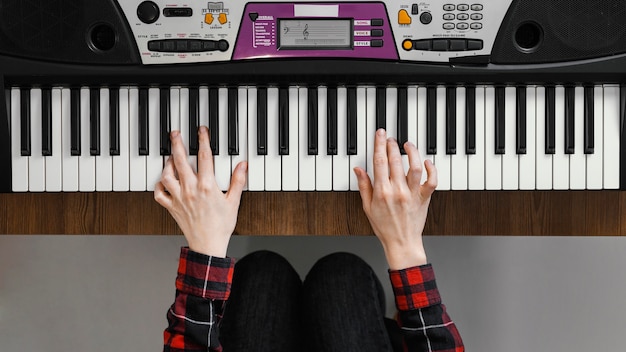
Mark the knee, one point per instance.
(264, 261)
(340, 264)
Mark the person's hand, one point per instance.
(397, 204)
(204, 213)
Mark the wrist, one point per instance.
(403, 257)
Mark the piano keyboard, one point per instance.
(299, 138)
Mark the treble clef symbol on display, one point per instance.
(305, 33)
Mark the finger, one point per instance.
(161, 196)
(365, 187)
(179, 153)
(396, 170)
(414, 176)
(168, 177)
(206, 170)
(381, 164)
(427, 189)
(237, 181)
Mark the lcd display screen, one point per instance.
(315, 34)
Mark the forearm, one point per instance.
(202, 287)
(424, 322)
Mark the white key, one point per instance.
(459, 160)
(391, 112)
(360, 159)
(323, 162)
(36, 161)
(510, 160)
(86, 162)
(560, 160)
(290, 162)
(527, 161)
(341, 161)
(154, 160)
(544, 161)
(611, 136)
(411, 93)
(442, 159)
(104, 162)
(256, 162)
(306, 163)
(183, 118)
(121, 163)
(273, 166)
(370, 130)
(595, 167)
(222, 160)
(54, 166)
(476, 162)
(19, 163)
(493, 161)
(137, 162)
(421, 127)
(242, 114)
(577, 166)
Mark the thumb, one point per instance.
(365, 186)
(237, 181)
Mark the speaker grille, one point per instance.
(41, 26)
(572, 30)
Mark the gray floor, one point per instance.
(110, 293)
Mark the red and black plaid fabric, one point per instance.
(202, 287)
(425, 324)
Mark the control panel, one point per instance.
(175, 31)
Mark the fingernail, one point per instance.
(203, 129)
(175, 134)
(381, 132)
(410, 144)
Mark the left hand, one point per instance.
(205, 214)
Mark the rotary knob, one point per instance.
(148, 12)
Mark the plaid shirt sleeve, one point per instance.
(423, 320)
(202, 288)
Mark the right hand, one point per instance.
(397, 204)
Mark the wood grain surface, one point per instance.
(524, 213)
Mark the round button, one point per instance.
(148, 12)
(222, 45)
(426, 18)
(407, 44)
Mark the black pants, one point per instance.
(340, 306)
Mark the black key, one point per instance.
(312, 120)
(450, 120)
(46, 122)
(500, 121)
(165, 127)
(194, 120)
(589, 121)
(521, 118)
(470, 120)
(550, 137)
(431, 120)
(143, 121)
(233, 121)
(114, 121)
(569, 120)
(261, 116)
(214, 120)
(94, 121)
(283, 121)
(331, 131)
(25, 121)
(381, 107)
(403, 118)
(75, 147)
(352, 122)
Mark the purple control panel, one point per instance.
(334, 30)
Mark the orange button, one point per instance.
(403, 17)
(222, 18)
(407, 44)
(208, 18)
